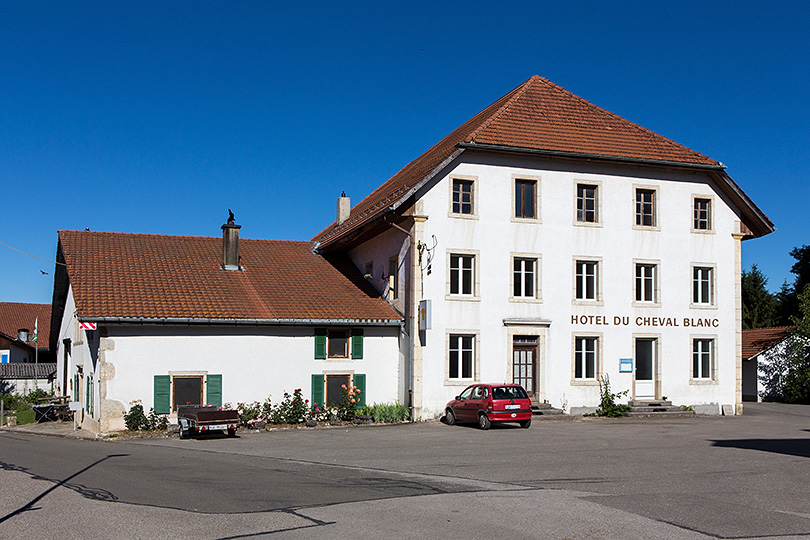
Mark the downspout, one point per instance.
(410, 333)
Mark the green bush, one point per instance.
(607, 405)
(386, 412)
(136, 420)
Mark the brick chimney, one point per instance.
(344, 208)
(230, 244)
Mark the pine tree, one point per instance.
(758, 305)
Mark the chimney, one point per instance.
(344, 208)
(230, 244)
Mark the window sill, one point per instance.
(459, 382)
(702, 306)
(532, 221)
(473, 217)
(587, 302)
(702, 231)
(702, 382)
(588, 224)
(522, 300)
(462, 298)
(648, 228)
(584, 382)
(637, 304)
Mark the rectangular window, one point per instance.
(587, 280)
(462, 196)
(585, 357)
(587, 203)
(702, 214)
(460, 356)
(188, 390)
(702, 285)
(462, 274)
(525, 193)
(524, 274)
(702, 358)
(393, 278)
(645, 207)
(645, 282)
(337, 343)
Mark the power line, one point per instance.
(34, 256)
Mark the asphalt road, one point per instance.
(705, 477)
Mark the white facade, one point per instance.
(678, 329)
(254, 362)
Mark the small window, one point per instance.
(585, 357)
(702, 214)
(187, 391)
(645, 207)
(587, 203)
(334, 385)
(393, 278)
(369, 270)
(524, 277)
(525, 197)
(460, 356)
(462, 274)
(702, 358)
(587, 280)
(703, 285)
(338, 343)
(462, 196)
(646, 275)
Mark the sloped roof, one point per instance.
(757, 340)
(537, 116)
(17, 315)
(27, 370)
(121, 275)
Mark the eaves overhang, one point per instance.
(242, 322)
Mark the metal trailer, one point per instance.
(194, 419)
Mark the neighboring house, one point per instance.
(171, 320)
(549, 242)
(24, 339)
(759, 346)
(19, 378)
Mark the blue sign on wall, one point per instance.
(625, 365)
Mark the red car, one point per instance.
(487, 403)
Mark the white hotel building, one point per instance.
(552, 243)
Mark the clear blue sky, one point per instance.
(156, 117)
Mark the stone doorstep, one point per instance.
(649, 403)
(671, 413)
(545, 409)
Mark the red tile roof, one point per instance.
(757, 340)
(15, 315)
(156, 277)
(536, 116)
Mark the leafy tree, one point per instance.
(801, 269)
(758, 305)
(787, 376)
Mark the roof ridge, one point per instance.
(179, 236)
(494, 116)
(637, 127)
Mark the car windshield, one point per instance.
(508, 392)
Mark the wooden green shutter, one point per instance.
(357, 343)
(162, 393)
(317, 390)
(360, 383)
(214, 390)
(320, 343)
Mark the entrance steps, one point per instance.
(656, 408)
(545, 409)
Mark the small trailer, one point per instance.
(195, 419)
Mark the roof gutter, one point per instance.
(241, 322)
(582, 155)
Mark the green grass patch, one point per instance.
(25, 417)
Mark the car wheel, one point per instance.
(483, 421)
(526, 423)
(450, 418)
(183, 432)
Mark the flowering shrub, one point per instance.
(346, 409)
(252, 413)
(291, 410)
